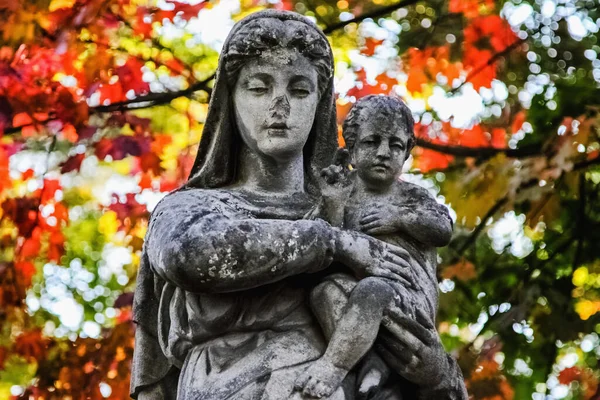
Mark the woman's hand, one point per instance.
(371, 257)
(415, 344)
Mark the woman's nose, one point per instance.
(280, 107)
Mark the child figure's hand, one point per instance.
(380, 219)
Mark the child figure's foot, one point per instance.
(321, 379)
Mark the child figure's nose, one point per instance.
(383, 151)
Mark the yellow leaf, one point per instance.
(58, 4)
(580, 276)
(108, 224)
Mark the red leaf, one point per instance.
(73, 163)
(187, 10)
(130, 209)
(145, 181)
(130, 76)
(57, 246)
(27, 174)
(568, 375)
(499, 138)
(150, 162)
(31, 345)
(49, 189)
(23, 212)
(26, 271)
(31, 248)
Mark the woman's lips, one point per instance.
(277, 132)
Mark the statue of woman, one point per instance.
(221, 301)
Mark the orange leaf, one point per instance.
(463, 270)
(22, 119)
(517, 122)
(70, 133)
(416, 79)
(370, 46)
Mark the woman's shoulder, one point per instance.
(194, 200)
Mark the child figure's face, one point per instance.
(380, 151)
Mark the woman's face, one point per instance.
(275, 98)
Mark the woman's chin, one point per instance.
(282, 150)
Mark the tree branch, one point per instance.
(480, 152)
(372, 14)
(489, 62)
(153, 98)
(145, 101)
(502, 201)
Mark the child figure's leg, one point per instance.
(351, 337)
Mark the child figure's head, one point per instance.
(379, 134)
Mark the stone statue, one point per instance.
(234, 259)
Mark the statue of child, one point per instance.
(379, 134)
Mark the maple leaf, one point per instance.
(26, 270)
(49, 189)
(124, 300)
(73, 163)
(129, 209)
(23, 212)
(5, 181)
(518, 121)
(130, 77)
(370, 45)
(471, 8)
(32, 345)
(150, 162)
(569, 375)
(463, 270)
(187, 11)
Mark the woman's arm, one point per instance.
(201, 244)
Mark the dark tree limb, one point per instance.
(380, 12)
(481, 152)
(502, 201)
(489, 63)
(145, 101)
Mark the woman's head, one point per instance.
(264, 38)
(277, 71)
(274, 91)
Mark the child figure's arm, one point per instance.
(418, 215)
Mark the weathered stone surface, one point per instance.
(261, 280)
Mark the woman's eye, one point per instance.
(300, 92)
(258, 89)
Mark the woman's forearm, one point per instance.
(223, 255)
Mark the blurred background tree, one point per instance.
(102, 104)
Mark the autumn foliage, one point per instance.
(102, 104)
